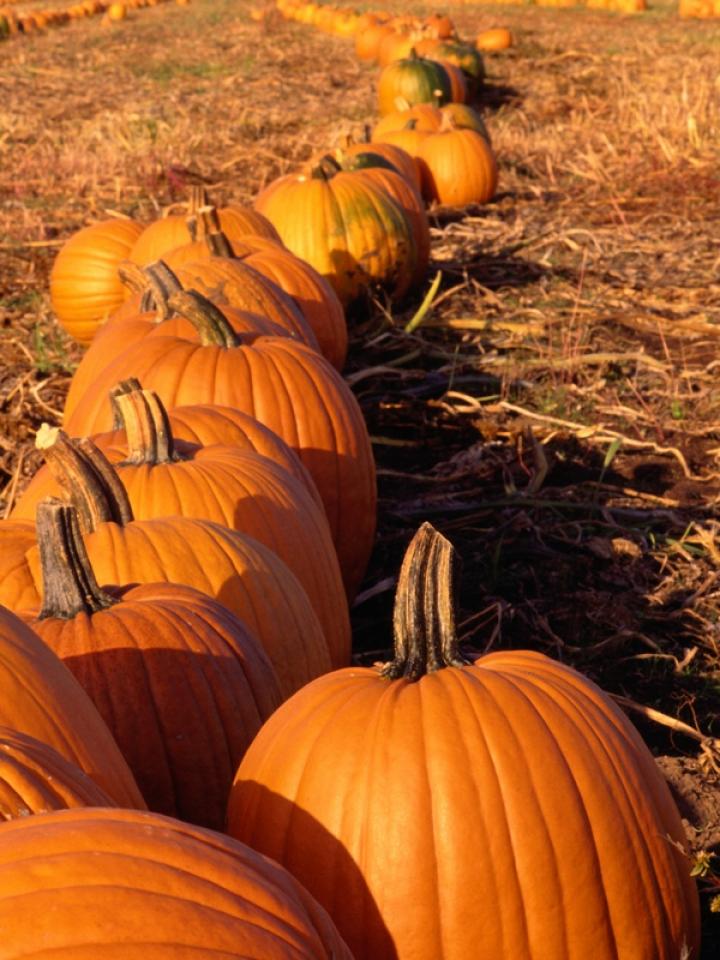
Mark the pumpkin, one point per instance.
(236, 488)
(460, 166)
(438, 25)
(314, 296)
(398, 158)
(461, 55)
(458, 84)
(367, 42)
(415, 80)
(180, 681)
(229, 282)
(319, 303)
(376, 170)
(121, 332)
(120, 884)
(315, 413)
(364, 784)
(352, 234)
(499, 38)
(41, 698)
(163, 235)
(427, 118)
(248, 578)
(84, 283)
(35, 778)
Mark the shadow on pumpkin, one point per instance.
(317, 859)
(182, 720)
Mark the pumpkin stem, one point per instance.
(69, 584)
(125, 386)
(424, 614)
(332, 164)
(147, 427)
(198, 198)
(219, 244)
(210, 322)
(155, 282)
(86, 477)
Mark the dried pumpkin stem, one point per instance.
(155, 283)
(210, 323)
(198, 198)
(147, 428)
(125, 386)
(219, 244)
(424, 614)
(86, 477)
(69, 584)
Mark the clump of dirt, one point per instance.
(695, 786)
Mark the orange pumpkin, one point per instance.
(315, 413)
(353, 234)
(163, 235)
(240, 572)
(366, 781)
(41, 698)
(35, 778)
(499, 38)
(180, 681)
(460, 166)
(125, 329)
(84, 284)
(234, 487)
(115, 883)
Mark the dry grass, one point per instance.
(556, 413)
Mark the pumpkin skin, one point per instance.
(232, 283)
(84, 284)
(250, 580)
(429, 119)
(415, 80)
(499, 38)
(121, 332)
(139, 886)
(352, 234)
(315, 413)
(162, 236)
(367, 42)
(319, 303)
(575, 850)
(400, 159)
(35, 778)
(180, 681)
(235, 488)
(460, 166)
(41, 698)
(410, 202)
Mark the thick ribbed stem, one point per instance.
(198, 198)
(125, 386)
(424, 614)
(86, 477)
(219, 244)
(69, 584)
(147, 428)
(210, 323)
(155, 283)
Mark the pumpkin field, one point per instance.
(360, 459)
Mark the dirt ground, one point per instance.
(556, 414)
